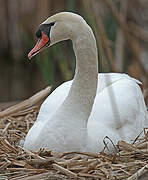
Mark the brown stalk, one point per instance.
(64, 171)
(132, 42)
(138, 32)
(139, 173)
(82, 153)
(103, 36)
(27, 103)
(33, 177)
(120, 41)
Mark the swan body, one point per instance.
(80, 113)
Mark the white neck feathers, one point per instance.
(83, 90)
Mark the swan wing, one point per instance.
(119, 110)
(106, 79)
(54, 101)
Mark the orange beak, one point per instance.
(40, 45)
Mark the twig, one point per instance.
(102, 56)
(83, 153)
(103, 36)
(4, 166)
(27, 103)
(7, 126)
(90, 167)
(120, 41)
(41, 162)
(137, 137)
(129, 147)
(64, 171)
(34, 177)
(106, 137)
(87, 175)
(139, 173)
(138, 31)
(132, 43)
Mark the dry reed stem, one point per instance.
(128, 147)
(138, 31)
(82, 153)
(139, 173)
(120, 41)
(90, 167)
(102, 56)
(96, 176)
(33, 177)
(64, 171)
(103, 36)
(132, 42)
(27, 103)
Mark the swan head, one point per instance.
(59, 27)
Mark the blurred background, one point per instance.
(120, 27)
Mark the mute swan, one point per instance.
(80, 113)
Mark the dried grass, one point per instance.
(130, 162)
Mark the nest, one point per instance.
(129, 162)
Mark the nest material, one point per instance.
(130, 162)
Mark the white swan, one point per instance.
(80, 113)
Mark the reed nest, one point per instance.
(129, 162)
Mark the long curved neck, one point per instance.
(83, 90)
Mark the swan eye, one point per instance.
(44, 28)
(38, 33)
(52, 24)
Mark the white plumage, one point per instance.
(80, 113)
